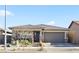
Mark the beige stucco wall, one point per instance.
(75, 29)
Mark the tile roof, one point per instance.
(39, 26)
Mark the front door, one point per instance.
(36, 36)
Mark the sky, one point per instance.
(57, 15)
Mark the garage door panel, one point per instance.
(54, 37)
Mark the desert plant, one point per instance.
(22, 42)
(42, 46)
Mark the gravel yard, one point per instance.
(55, 48)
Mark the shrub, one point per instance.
(71, 36)
(25, 42)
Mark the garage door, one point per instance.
(54, 37)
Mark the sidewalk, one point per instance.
(45, 50)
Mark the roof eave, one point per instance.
(71, 24)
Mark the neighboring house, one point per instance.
(74, 32)
(41, 32)
(2, 36)
(9, 36)
(1, 31)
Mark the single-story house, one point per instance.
(40, 32)
(74, 32)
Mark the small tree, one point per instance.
(71, 36)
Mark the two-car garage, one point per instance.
(54, 37)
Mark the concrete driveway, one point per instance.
(64, 45)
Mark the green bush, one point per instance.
(25, 42)
(28, 42)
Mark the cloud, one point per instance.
(51, 23)
(8, 13)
